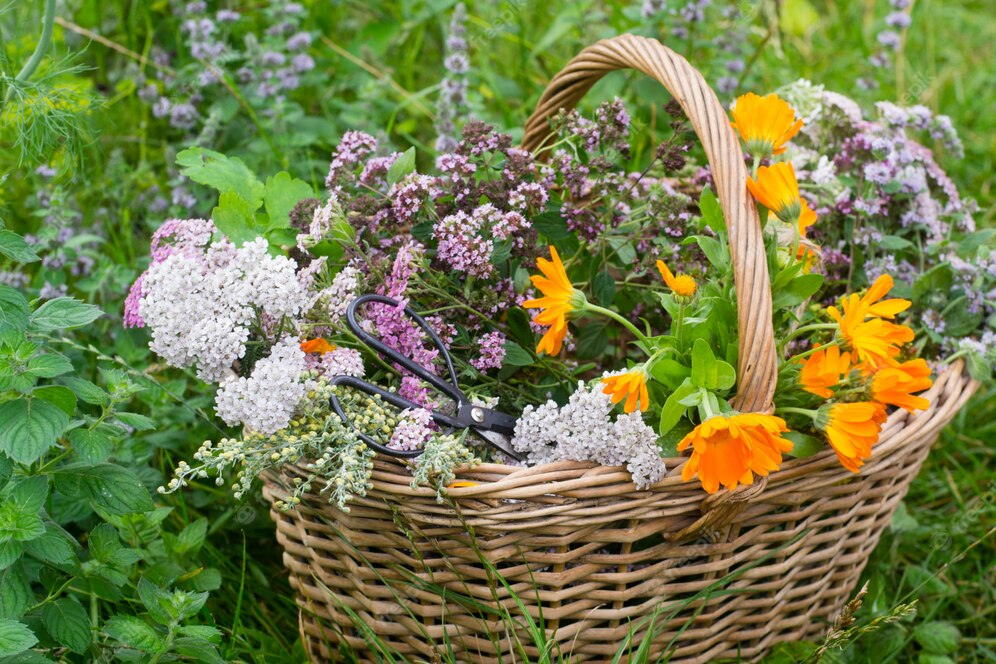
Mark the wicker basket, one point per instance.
(590, 559)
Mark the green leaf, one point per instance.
(28, 427)
(939, 638)
(198, 650)
(16, 596)
(15, 637)
(13, 312)
(402, 166)
(52, 547)
(15, 248)
(92, 445)
(552, 226)
(87, 391)
(191, 538)
(224, 174)
(802, 445)
(894, 243)
(712, 213)
(673, 409)
(10, 553)
(204, 632)
(68, 623)
(717, 253)
(134, 632)
(109, 488)
(797, 291)
(18, 524)
(49, 365)
(591, 341)
(704, 371)
(236, 219)
(282, 193)
(28, 493)
(726, 375)
(516, 355)
(63, 313)
(58, 395)
(103, 542)
(157, 601)
(136, 421)
(604, 288)
(670, 373)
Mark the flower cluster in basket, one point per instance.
(591, 298)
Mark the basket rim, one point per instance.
(576, 479)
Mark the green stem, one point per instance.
(608, 313)
(679, 325)
(705, 404)
(48, 24)
(809, 328)
(812, 350)
(799, 411)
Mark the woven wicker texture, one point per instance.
(706, 577)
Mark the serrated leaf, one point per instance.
(52, 547)
(603, 287)
(15, 248)
(15, 592)
(516, 355)
(205, 632)
(222, 173)
(281, 194)
(57, 395)
(134, 632)
(13, 311)
(18, 524)
(552, 226)
(92, 445)
(103, 542)
(49, 365)
(68, 623)
(28, 427)
(157, 602)
(591, 341)
(191, 537)
(402, 166)
(87, 392)
(15, 637)
(198, 650)
(10, 553)
(107, 487)
(63, 313)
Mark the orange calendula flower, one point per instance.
(317, 345)
(823, 370)
(896, 385)
(777, 189)
(851, 429)
(681, 285)
(728, 450)
(560, 302)
(765, 124)
(869, 338)
(631, 386)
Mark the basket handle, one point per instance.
(757, 372)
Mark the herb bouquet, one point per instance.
(690, 414)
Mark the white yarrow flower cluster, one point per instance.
(199, 308)
(265, 401)
(583, 430)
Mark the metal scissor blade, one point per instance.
(499, 441)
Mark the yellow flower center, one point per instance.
(684, 286)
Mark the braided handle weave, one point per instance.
(757, 371)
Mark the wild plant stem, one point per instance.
(48, 25)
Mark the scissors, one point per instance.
(493, 426)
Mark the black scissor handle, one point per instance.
(450, 389)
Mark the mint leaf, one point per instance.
(402, 166)
(13, 311)
(15, 248)
(15, 637)
(68, 623)
(134, 632)
(64, 313)
(92, 445)
(28, 427)
(108, 488)
(58, 395)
